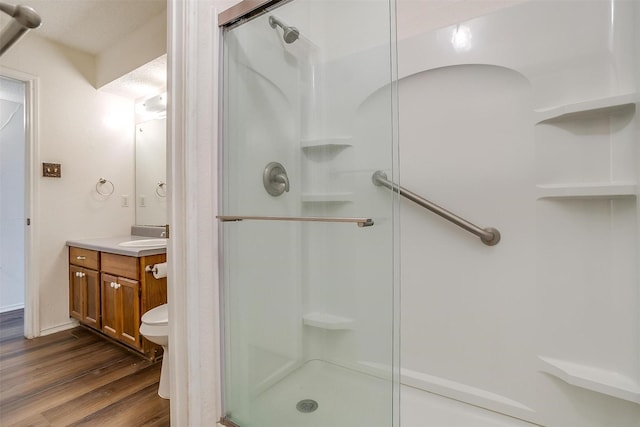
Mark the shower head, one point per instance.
(290, 34)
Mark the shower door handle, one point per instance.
(360, 222)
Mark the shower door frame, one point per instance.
(245, 8)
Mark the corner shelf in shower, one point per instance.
(606, 103)
(327, 321)
(332, 143)
(592, 378)
(607, 190)
(326, 197)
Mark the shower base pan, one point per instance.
(320, 394)
(347, 398)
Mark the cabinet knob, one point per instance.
(80, 274)
(114, 285)
(81, 258)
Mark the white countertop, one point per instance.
(110, 244)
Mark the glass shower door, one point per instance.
(309, 243)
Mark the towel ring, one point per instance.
(162, 186)
(102, 182)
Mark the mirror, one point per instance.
(151, 175)
(146, 85)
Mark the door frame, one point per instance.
(192, 249)
(31, 234)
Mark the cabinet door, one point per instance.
(110, 306)
(92, 311)
(130, 311)
(76, 292)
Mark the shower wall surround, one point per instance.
(526, 119)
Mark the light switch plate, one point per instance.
(52, 170)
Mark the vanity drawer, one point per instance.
(84, 258)
(120, 265)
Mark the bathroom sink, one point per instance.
(145, 243)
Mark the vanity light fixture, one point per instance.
(153, 108)
(156, 104)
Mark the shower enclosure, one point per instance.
(309, 243)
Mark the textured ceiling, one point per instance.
(90, 25)
(143, 82)
(93, 26)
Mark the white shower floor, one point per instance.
(345, 399)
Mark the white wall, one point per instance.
(91, 134)
(417, 16)
(12, 184)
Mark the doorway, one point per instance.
(19, 282)
(12, 194)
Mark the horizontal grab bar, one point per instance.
(361, 222)
(489, 236)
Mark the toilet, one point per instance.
(155, 328)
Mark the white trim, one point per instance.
(192, 249)
(59, 328)
(32, 235)
(176, 272)
(11, 308)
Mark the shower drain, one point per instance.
(307, 405)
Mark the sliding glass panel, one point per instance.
(310, 306)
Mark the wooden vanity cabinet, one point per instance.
(84, 287)
(121, 309)
(121, 291)
(128, 291)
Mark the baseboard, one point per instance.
(59, 328)
(11, 308)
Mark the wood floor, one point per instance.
(74, 378)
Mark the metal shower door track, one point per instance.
(245, 9)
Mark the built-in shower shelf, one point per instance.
(327, 197)
(611, 102)
(588, 190)
(332, 143)
(327, 321)
(592, 378)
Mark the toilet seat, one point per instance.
(158, 316)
